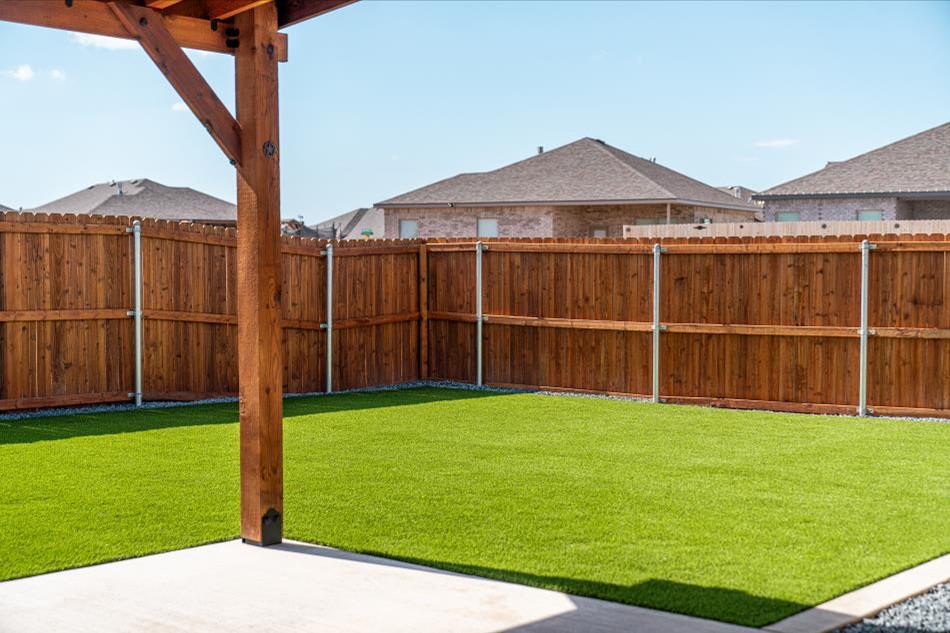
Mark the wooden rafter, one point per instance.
(223, 9)
(160, 4)
(95, 17)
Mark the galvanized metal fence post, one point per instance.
(657, 250)
(479, 247)
(329, 324)
(136, 312)
(865, 332)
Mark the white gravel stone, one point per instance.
(926, 613)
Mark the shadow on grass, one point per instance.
(86, 424)
(714, 603)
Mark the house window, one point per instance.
(599, 233)
(870, 216)
(788, 216)
(487, 227)
(648, 221)
(408, 228)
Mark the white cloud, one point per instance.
(23, 72)
(179, 106)
(101, 41)
(57, 74)
(777, 142)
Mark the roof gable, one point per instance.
(919, 163)
(585, 171)
(143, 198)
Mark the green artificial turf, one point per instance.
(740, 516)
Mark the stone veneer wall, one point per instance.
(546, 221)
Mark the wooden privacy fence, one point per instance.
(772, 323)
(68, 312)
(744, 322)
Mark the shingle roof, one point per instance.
(144, 198)
(351, 225)
(585, 171)
(919, 163)
(5, 208)
(738, 191)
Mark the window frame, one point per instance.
(478, 227)
(779, 216)
(415, 223)
(859, 212)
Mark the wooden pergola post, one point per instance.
(259, 278)
(247, 29)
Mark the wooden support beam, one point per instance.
(95, 17)
(147, 27)
(259, 279)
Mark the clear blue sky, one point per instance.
(382, 97)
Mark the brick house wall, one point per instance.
(818, 209)
(546, 221)
(926, 210)
(846, 209)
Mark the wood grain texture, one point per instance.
(260, 362)
(764, 329)
(95, 17)
(767, 322)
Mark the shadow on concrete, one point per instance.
(85, 424)
(597, 601)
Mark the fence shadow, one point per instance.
(595, 601)
(84, 424)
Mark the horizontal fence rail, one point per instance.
(73, 288)
(813, 324)
(772, 323)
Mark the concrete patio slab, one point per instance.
(296, 587)
(866, 601)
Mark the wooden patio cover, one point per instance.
(248, 30)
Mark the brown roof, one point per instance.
(587, 171)
(917, 164)
(144, 198)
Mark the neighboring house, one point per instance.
(585, 189)
(743, 193)
(145, 199)
(298, 228)
(4, 208)
(362, 223)
(906, 180)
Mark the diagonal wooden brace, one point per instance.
(146, 26)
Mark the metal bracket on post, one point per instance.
(136, 311)
(865, 330)
(479, 317)
(657, 327)
(329, 324)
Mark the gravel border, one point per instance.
(927, 613)
(414, 384)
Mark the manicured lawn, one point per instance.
(739, 516)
